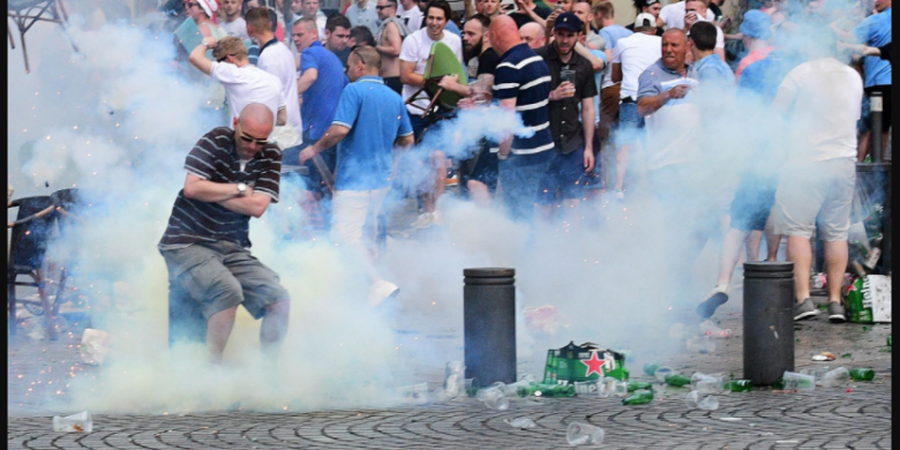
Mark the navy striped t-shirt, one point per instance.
(214, 158)
(524, 75)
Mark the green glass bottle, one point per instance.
(546, 390)
(637, 385)
(889, 340)
(740, 385)
(677, 380)
(862, 374)
(650, 369)
(640, 397)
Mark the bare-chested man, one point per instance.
(389, 39)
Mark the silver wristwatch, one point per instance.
(242, 189)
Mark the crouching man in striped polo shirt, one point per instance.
(232, 175)
(521, 83)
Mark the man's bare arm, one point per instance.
(253, 204)
(306, 80)
(198, 57)
(332, 136)
(408, 75)
(596, 62)
(390, 41)
(196, 188)
(506, 144)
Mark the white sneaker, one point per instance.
(424, 220)
(381, 291)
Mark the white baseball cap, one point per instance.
(645, 20)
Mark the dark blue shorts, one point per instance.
(566, 175)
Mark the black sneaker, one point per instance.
(836, 312)
(805, 309)
(716, 298)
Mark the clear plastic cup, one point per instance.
(77, 423)
(708, 383)
(581, 433)
(695, 400)
(493, 398)
(835, 377)
(615, 387)
(799, 381)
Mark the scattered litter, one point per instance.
(772, 327)
(78, 423)
(582, 433)
(94, 346)
(792, 441)
(824, 356)
(730, 419)
(520, 422)
(849, 390)
(767, 433)
(708, 328)
(847, 355)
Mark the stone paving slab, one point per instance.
(856, 416)
(817, 419)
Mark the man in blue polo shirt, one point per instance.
(370, 119)
(875, 31)
(321, 82)
(521, 83)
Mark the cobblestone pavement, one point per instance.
(855, 416)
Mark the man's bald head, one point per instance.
(533, 34)
(252, 129)
(256, 114)
(504, 34)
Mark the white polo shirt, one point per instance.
(277, 60)
(636, 53)
(248, 84)
(416, 48)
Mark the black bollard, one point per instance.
(876, 109)
(489, 324)
(768, 321)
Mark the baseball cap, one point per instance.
(645, 20)
(756, 24)
(569, 21)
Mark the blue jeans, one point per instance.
(520, 182)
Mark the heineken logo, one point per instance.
(594, 364)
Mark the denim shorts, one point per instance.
(566, 175)
(520, 182)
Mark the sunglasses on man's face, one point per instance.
(380, 7)
(249, 139)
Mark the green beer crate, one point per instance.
(581, 363)
(869, 299)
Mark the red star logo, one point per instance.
(594, 365)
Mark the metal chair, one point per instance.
(28, 245)
(25, 13)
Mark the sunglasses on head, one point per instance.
(192, 4)
(249, 139)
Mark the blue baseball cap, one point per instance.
(756, 24)
(569, 21)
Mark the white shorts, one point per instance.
(354, 215)
(816, 193)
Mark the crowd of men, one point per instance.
(344, 95)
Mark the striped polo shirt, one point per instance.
(215, 158)
(523, 75)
